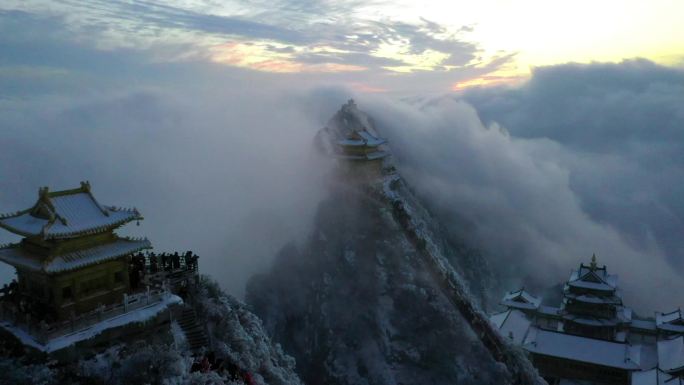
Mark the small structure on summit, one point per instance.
(592, 336)
(350, 137)
(70, 259)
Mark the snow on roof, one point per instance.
(549, 311)
(582, 349)
(672, 321)
(654, 377)
(643, 324)
(594, 278)
(521, 299)
(622, 315)
(352, 127)
(591, 285)
(15, 255)
(595, 299)
(590, 321)
(369, 156)
(370, 139)
(367, 141)
(671, 354)
(67, 213)
(498, 318)
(513, 326)
(135, 316)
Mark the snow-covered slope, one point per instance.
(162, 356)
(381, 294)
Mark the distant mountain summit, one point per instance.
(349, 121)
(380, 293)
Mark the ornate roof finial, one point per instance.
(593, 262)
(43, 192)
(85, 186)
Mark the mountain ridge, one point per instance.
(377, 295)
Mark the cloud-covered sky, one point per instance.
(371, 46)
(202, 113)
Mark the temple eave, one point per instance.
(91, 230)
(15, 256)
(368, 156)
(44, 230)
(15, 230)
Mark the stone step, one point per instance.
(194, 332)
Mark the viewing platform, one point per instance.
(161, 281)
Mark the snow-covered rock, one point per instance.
(163, 356)
(368, 299)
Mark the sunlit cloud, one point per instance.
(331, 38)
(397, 40)
(366, 89)
(484, 81)
(264, 58)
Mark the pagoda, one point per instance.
(356, 138)
(70, 260)
(350, 137)
(591, 337)
(592, 304)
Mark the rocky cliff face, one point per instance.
(380, 294)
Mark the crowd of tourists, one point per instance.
(143, 264)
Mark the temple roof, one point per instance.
(17, 256)
(369, 156)
(673, 321)
(360, 139)
(589, 298)
(582, 349)
(521, 299)
(68, 213)
(350, 127)
(593, 277)
(512, 324)
(643, 324)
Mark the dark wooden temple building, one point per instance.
(592, 338)
(70, 260)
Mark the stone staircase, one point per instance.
(193, 330)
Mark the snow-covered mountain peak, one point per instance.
(382, 293)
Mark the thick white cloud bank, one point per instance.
(228, 174)
(592, 164)
(584, 159)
